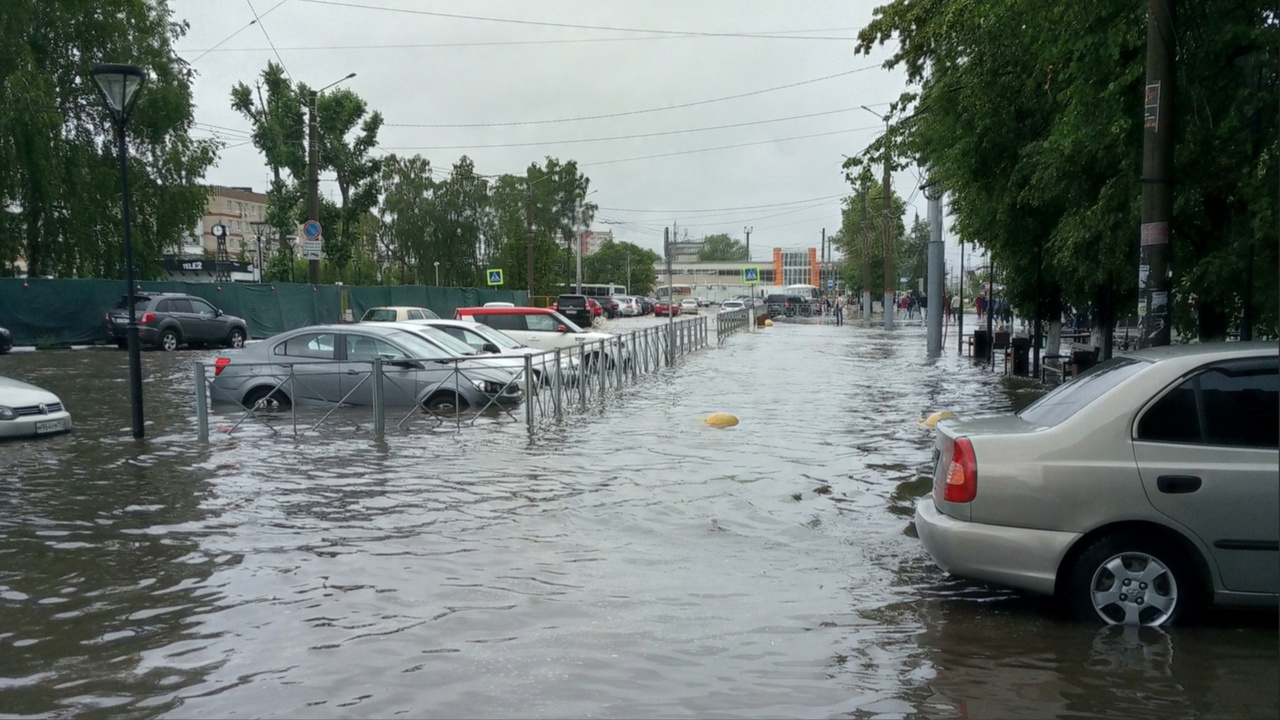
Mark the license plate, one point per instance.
(50, 426)
(118, 321)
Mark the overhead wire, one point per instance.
(263, 28)
(246, 26)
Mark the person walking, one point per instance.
(839, 311)
(955, 306)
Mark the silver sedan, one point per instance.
(1137, 493)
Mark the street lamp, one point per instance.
(119, 85)
(313, 170)
(437, 264)
(257, 226)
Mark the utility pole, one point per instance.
(578, 276)
(936, 295)
(313, 179)
(747, 231)
(1155, 269)
(629, 272)
(865, 241)
(669, 248)
(528, 235)
(889, 271)
(822, 263)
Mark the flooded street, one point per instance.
(630, 562)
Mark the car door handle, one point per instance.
(1177, 484)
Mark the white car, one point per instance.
(539, 328)
(483, 339)
(628, 306)
(728, 305)
(689, 307)
(28, 411)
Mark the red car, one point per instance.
(595, 307)
(662, 307)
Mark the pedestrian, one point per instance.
(955, 306)
(839, 311)
(924, 307)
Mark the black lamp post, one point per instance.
(119, 85)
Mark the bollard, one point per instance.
(529, 389)
(202, 405)
(379, 401)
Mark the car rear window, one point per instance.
(380, 315)
(1071, 397)
(573, 301)
(139, 302)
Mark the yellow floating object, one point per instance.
(721, 420)
(937, 417)
(768, 323)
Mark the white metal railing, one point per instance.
(547, 384)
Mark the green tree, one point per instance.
(59, 172)
(346, 151)
(861, 235)
(615, 262)
(722, 248)
(279, 133)
(407, 219)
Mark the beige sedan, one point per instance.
(1137, 493)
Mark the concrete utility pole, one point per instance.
(865, 241)
(936, 295)
(822, 263)
(669, 250)
(313, 179)
(747, 231)
(1155, 271)
(889, 271)
(528, 235)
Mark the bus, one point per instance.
(679, 292)
(594, 290)
(810, 293)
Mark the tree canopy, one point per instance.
(721, 247)
(1029, 115)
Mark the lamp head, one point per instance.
(119, 85)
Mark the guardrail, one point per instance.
(304, 396)
(729, 322)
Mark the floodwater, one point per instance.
(632, 562)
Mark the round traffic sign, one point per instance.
(311, 229)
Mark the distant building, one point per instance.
(591, 241)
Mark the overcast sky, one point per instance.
(508, 83)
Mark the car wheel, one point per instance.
(266, 398)
(236, 338)
(168, 341)
(1126, 579)
(445, 403)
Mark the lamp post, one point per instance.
(257, 226)
(437, 264)
(313, 170)
(119, 85)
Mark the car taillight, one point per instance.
(219, 365)
(147, 318)
(962, 475)
(108, 318)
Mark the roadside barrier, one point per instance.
(308, 396)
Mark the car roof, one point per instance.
(1199, 349)
(397, 307)
(504, 311)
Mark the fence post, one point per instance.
(379, 401)
(583, 377)
(202, 404)
(559, 384)
(529, 390)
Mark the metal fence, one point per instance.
(729, 322)
(381, 396)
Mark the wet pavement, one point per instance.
(632, 562)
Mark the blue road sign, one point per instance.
(750, 275)
(495, 276)
(311, 229)
(831, 284)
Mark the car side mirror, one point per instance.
(562, 328)
(490, 348)
(217, 312)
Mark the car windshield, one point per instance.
(576, 301)
(573, 327)
(379, 315)
(417, 348)
(447, 341)
(497, 337)
(1071, 397)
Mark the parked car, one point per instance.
(664, 308)
(397, 313)
(575, 307)
(6, 340)
(689, 306)
(609, 306)
(331, 363)
(499, 303)
(728, 305)
(484, 340)
(29, 411)
(629, 306)
(703, 302)
(168, 320)
(540, 328)
(1136, 492)
(596, 309)
(647, 305)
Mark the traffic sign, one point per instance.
(750, 276)
(495, 276)
(310, 249)
(831, 284)
(311, 229)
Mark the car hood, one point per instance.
(15, 393)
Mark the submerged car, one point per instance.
(397, 313)
(28, 411)
(481, 339)
(6, 340)
(332, 363)
(1137, 493)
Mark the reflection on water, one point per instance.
(631, 563)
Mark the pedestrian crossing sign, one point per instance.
(495, 277)
(750, 276)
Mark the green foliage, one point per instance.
(1030, 116)
(59, 166)
(721, 247)
(622, 263)
(861, 235)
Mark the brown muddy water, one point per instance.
(631, 562)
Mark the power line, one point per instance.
(237, 32)
(621, 137)
(574, 26)
(640, 112)
(268, 37)
(726, 147)
(745, 207)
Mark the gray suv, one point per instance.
(167, 320)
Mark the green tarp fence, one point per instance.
(72, 312)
